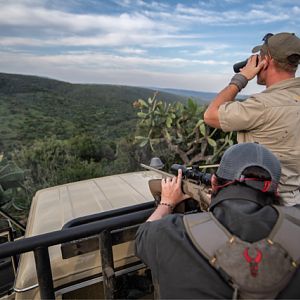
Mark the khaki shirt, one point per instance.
(271, 118)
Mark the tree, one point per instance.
(180, 128)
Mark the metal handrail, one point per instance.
(39, 244)
(108, 214)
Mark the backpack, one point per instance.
(257, 270)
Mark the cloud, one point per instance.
(132, 51)
(156, 5)
(100, 68)
(156, 27)
(139, 38)
(22, 15)
(117, 39)
(96, 59)
(296, 10)
(230, 17)
(89, 61)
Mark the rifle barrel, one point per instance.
(209, 166)
(156, 170)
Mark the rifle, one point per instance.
(194, 183)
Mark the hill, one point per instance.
(198, 96)
(33, 107)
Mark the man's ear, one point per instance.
(214, 182)
(266, 62)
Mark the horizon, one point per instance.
(185, 45)
(164, 89)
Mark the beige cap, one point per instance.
(281, 46)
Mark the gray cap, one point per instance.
(241, 156)
(281, 46)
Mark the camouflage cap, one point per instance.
(241, 156)
(280, 46)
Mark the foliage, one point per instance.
(51, 161)
(11, 179)
(32, 108)
(59, 132)
(180, 128)
(91, 148)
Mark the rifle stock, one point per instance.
(197, 192)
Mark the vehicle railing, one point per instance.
(97, 225)
(107, 214)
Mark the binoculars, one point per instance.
(242, 64)
(237, 66)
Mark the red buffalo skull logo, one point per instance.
(253, 261)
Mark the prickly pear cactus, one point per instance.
(182, 129)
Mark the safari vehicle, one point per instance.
(79, 242)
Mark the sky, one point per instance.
(182, 44)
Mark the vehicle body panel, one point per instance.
(53, 207)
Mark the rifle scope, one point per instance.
(192, 173)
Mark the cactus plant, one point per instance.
(182, 129)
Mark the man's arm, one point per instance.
(211, 115)
(239, 81)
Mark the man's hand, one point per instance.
(171, 191)
(171, 195)
(252, 68)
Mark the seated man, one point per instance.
(235, 250)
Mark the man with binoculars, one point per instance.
(272, 117)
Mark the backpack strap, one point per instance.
(286, 231)
(201, 227)
(216, 244)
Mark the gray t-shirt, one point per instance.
(179, 271)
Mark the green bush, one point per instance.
(51, 162)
